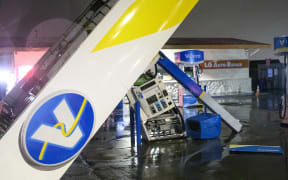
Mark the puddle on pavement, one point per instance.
(109, 155)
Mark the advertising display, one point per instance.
(189, 57)
(225, 64)
(281, 45)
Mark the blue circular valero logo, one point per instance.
(57, 131)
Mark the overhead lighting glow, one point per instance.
(4, 75)
(23, 70)
(8, 78)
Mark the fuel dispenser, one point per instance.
(188, 61)
(160, 118)
(281, 49)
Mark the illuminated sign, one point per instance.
(190, 57)
(225, 64)
(281, 42)
(281, 45)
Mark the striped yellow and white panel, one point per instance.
(53, 130)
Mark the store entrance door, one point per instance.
(271, 77)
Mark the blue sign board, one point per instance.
(281, 43)
(58, 130)
(190, 56)
(188, 98)
(256, 149)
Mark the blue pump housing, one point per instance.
(204, 126)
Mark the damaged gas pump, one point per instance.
(160, 117)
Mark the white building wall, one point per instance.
(222, 81)
(224, 74)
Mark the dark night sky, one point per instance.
(18, 18)
(255, 20)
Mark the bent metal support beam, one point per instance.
(193, 87)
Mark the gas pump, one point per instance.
(281, 49)
(160, 118)
(188, 61)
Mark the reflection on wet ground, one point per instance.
(109, 155)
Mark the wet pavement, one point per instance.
(110, 155)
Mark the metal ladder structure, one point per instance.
(27, 89)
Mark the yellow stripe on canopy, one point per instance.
(145, 17)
